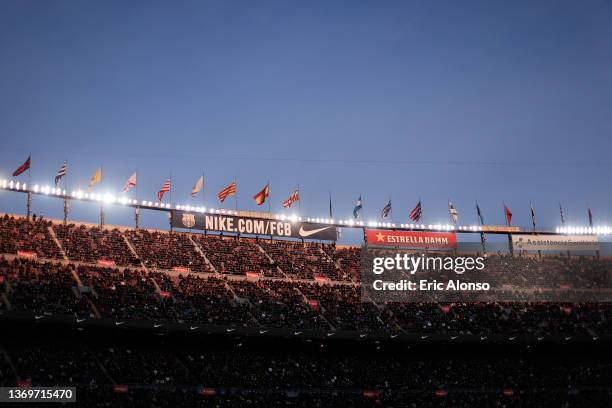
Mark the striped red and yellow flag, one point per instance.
(260, 197)
(227, 191)
(164, 189)
(295, 196)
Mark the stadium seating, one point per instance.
(300, 285)
(92, 244)
(19, 234)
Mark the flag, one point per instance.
(164, 189)
(454, 214)
(295, 196)
(533, 220)
(197, 187)
(331, 214)
(562, 215)
(25, 166)
(61, 173)
(417, 212)
(480, 217)
(260, 197)
(357, 208)
(95, 179)
(508, 215)
(386, 210)
(590, 217)
(131, 182)
(227, 191)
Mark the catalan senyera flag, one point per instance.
(260, 197)
(164, 189)
(227, 191)
(95, 179)
(295, 196)
(417, 212)
(25, 166)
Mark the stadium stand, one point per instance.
(236, 255)
(93, 244)
(18, 234)
(288, 288)
(161, 250)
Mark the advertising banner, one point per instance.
(525, 242)
(253, 226)
(411, 239)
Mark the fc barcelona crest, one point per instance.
(188, 220)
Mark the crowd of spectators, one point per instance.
(238, 373)
(277, 303)
(161, 250)
(126, 293)
(20, 234)
(93, 244)
(235, 255)
(288, 284)
(302, 260)
(40, 288)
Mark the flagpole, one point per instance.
(170, 213)
(269, 198)
(170, 189)
(102, 215)
(300, 201)
(29, 198)
(510, 246)
(563, 223)
(203, 190)
(361, 211)
(482, 235)
(236, 195)
(66, 194)
(533, 222)
(137, 208)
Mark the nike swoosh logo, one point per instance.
(362, 336)
(393, 336)
(38, 317)
(193, 327)
(263, 331)
(483, 338)
(511, 338)
(304, 233)
(330, 334)
(229, 330)
(119, 323)
(80, 320)
(157, 325)
(453, 337)
(540, 338)
(424, 337)
(297, 333)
